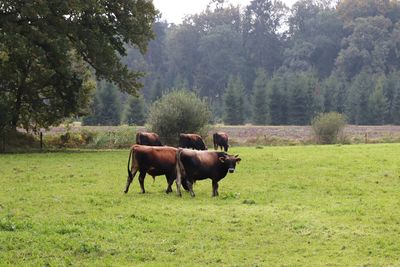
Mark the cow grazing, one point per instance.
(195, 165)
(192, 141)
(154, 161)
(220, 139)
(148, 139)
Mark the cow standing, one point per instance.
(194, 165)
(152, 160)
(148, 139)
(192, 141)
(220, 139)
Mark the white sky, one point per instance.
(175, 10)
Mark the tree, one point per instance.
(368, 48)
(178, 112)
(278, 100)
(377, 104)
(360, 89)
(234, 104)
(304, 98)
(47, 46)
(134, 111)
(106, 107)
(260, 102)
(262, 40)
(315, 34)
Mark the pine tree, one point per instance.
(106, 107)
(377, 104)
(260, 104)
(277, 101)
(234, 104)
(396, 108)
(156, 90)
(134, 111)
(230, 103)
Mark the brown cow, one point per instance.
(220, 139)
(192, 141)
(194, 165)
(148, 139)
(154, 161)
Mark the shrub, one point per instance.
(328, 126)
(178, 112)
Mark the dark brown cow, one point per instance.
(154, 161)
(148, 139)
(220, 139)
(195, 165)
(192, 141)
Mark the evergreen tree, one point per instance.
(234, 105)
(305, 99)
(156, 90)
(260, 103)
(377, 104)
(106, 107)
(395, 111)
(358, 96)
(134, 111)
(278, 108)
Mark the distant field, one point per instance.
(291, 206)
(280, 135)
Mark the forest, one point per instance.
(267, 64)
(263, 64)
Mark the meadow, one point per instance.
(284, 206)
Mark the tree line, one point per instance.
(267, 64)
(263, 63)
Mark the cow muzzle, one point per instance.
(231, 170)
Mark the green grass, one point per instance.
(291, 206)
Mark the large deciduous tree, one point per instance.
(46, 48)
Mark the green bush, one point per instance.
(328, 126)
(178, 112)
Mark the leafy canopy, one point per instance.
(46, 47)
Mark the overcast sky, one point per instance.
(175, 10)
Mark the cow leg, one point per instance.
(190, 187)
(225, 148)
(215, 188)
(170, 181)
(141, 180)
(129, 181)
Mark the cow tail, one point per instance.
(180, 171)
(179, 164)
(129, 161)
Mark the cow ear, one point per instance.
(236, 156)
(222, 159)
(238, 160)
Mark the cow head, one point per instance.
(230, 162)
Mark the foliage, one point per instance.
(328, 126)
(121, 137)
(260, 101)
(178, 112)
(331, 199)
(135, 111)
(106, 109)
(46, 48)
(5, 116)
(234, 106)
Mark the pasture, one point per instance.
(290, 206)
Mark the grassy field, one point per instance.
(285, 206)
